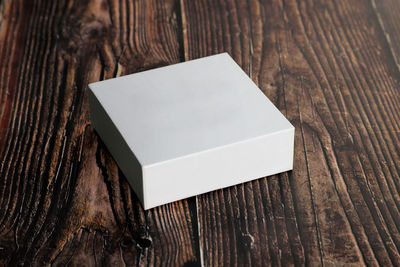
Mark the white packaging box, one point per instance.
(190, 128)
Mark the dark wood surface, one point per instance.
(333, 68)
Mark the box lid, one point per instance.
(187, 108)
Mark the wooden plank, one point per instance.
(328, 68)
(62, 198)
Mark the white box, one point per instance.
(190, 128)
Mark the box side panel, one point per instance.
(117, 146)
(222, 167)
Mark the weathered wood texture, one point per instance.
(328, 67)
(331, 67)
(63, 199)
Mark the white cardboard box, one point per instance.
(190, 128)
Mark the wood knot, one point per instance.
(247, 240)
(75, 35)
(144, 242)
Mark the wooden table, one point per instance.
(333, 68)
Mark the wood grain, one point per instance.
(331, 67)
(328, 68)
(63, 200)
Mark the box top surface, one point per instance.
(188, 108)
